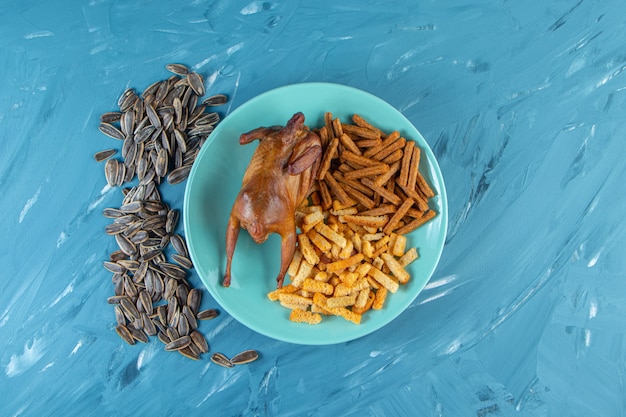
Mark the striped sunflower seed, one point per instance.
(178, 69)
(103, 155)
(172, 270)
(125, 334)
(111, 131)
(200, 341)
(207, 314)
(146, 302)
(114, 267)
(172, 220)
(196, 83)
(216, 100)
(148, 325)
(163, 337)
(179, 245)
(189, 352)
(162, 160)
(182, 261)
(115, 299)
(138, 334)
(120, 318)
(178, 175)
(246, 356)
(194, 298)
(110, 172)
(207, 119)
(125, 244)
(172, 333)
(190, 317)
(130, 310)
(183, 325)
(111, 117)
(221, 360)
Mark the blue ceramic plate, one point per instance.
(214, 183)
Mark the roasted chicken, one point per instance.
(277, 180)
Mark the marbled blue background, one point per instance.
(523, 103)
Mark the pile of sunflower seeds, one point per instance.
(162, 131)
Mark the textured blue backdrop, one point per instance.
(523, 103)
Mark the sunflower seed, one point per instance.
(127, 122)
(158, 284)
(129, 264)
(189, 352)
(246, 356)
(125, 334)
(161, 163)
(182, 261)
(178, 109)
(216, 100)
(117, 255)
(163, 337)
(132, 207)
(102, 155)
(111, 131)
(221, 360)
(119, 316)
(140, 273)
(200, 341)
(183, 325)
(138, 334)
(111, 117)
(170, 289)
(189, 316)
(126, 219)
(110, 172)
(162, 314)
(144, 134)
(194, 297)
(207, 119)
(178, 242)
(114, 267)
(129, 92)
(153, 116)
(207, 314)
(178, 69)
(146, 301)
(129, 287)
(196, 83)
(112, 213)
(115, 299)
(148, 325)
(179, 174)
(150, 255)
(121, 174)
(178, 158)
(201, 130)
(172, 309)
(172, 220)
(172, 270)
(115, 228)
(140, 237)
(172, 333)
(125, 244)
(129, 308)
(181, 140)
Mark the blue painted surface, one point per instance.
(523, 104)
